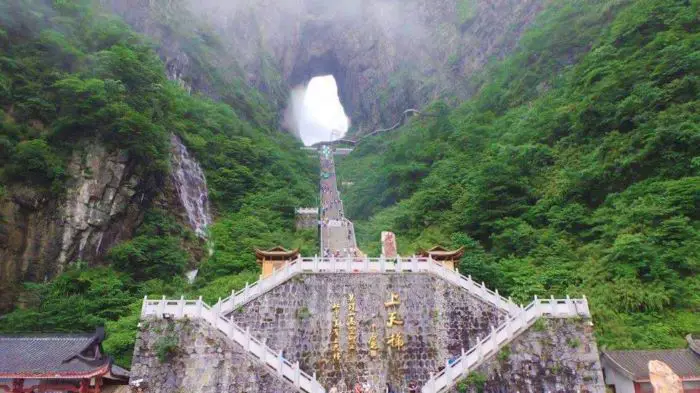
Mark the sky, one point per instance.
(321, 111)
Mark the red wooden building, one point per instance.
(57, 363)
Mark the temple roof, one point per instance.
(278, 252)
(439, 252)
(56, 356)
(635, 364)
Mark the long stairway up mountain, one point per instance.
(337, 232)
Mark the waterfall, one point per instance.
(191, 186)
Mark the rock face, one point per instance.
(41, 233)
(205, 361)
(386, 55)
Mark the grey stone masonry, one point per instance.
(203, 360)
(439, 319)
(552, 356)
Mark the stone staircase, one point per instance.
(363, 266)
(502, 336)
(519, 318)
(182, 308)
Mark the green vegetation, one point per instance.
(475, 380)
(72, 74)
(573, 170)
(167, 348)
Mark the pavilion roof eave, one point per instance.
(102, 370)
(276, 252)
(442, 253)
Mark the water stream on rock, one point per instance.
(191, 186)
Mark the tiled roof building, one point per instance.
(57, 362)
(628, 371)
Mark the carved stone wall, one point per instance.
(299, 318)
(439, 319)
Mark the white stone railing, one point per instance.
(364, 265)
(502, 336)
(198, 309)
(306, 210)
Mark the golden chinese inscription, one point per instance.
(335, 332)
(373, 343)
(394, 319)
(394, 339)
(394, 300)
(351, 324)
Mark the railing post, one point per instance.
(247, 337)
(499, 304)
(348, 264)
(382, 262)
(494, 338)
(553, 306)
(366, 261)
(398, 264)
(280, 363)
(570, 306)
(230, 326)
(297, 374)
(478, 348)
(199, 307)
(447, 370)
(523, 316)
(143, 306)
(315, 266)
(181, 307)
(217, 312)
(414, 263)
(161, 306)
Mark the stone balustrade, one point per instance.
(365, 265)
(178, 309)
(502, 336)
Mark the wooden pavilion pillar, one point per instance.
(84, 386)
(18, 385)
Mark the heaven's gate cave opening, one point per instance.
(321, 116)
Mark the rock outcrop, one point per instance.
(40, 233)
(663, 379)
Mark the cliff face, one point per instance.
(41, 234)
(386, 56)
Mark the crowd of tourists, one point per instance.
(368, 388)
(338, 235)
